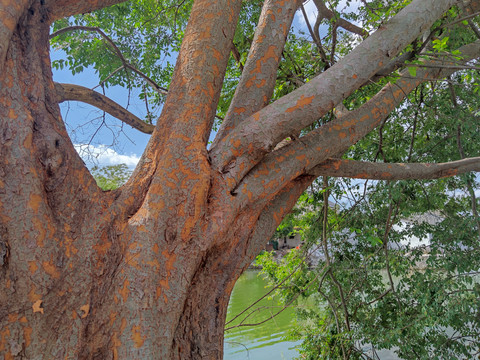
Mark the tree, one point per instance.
(145, 271)
(111, 177)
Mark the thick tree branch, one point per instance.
(260, 71)
(393, 65)
(195, 87)
(64, 8)
(239, 151)
(334, 138)
(394, 171)
(10, 12)
(274, 212)
(70, 92)
(177, 152)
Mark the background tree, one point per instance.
(145, 271)
(111, 177)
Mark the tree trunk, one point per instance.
(146, 271)
(88, 274)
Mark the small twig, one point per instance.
(468, 17)
(108, 77)
(117, 51)
(461, 151)
(452, 67)
(315, 37)
(278, 312)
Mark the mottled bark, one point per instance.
(145, 271)
(333, 139)
(394, 171)
(239, 152)
(257, 83)
(63, 8)
(10, 12)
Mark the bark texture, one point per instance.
(66, 92)
(146, 271)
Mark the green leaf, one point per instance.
(412, 70)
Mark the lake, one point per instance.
(265, 341)
(261, 342)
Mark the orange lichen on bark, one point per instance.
(86, 310)
(12, 317)
(364, 118)
(116, 343)
(261, 83)
(247, 192)
(303, 101)
(199, 194)
(163, 285)
(37, 306)
(103, 246)
(239, 110)
(137, 337)
(69, 247)
(278, 216)
(41, 232)
(236, 143)
(450, 172)
(272, 15)
(337, 164)
(154, 263)
(4, 335)
(12, 114)
(33, 296)
(270, 53)
(8, 21)
(32, 267)
(27, 335)
(27, 143)
(51, 269)
(125, 291)
(169, 266)
(263, 171)
(251, 82)
(217, 54)
(170, 260)
(34, 202)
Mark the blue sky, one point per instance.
(116, 142)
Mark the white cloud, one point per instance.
(311, 11)
(103, 155)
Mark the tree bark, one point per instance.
(146, 271)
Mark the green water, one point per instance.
(265, 341)
(261, 342)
